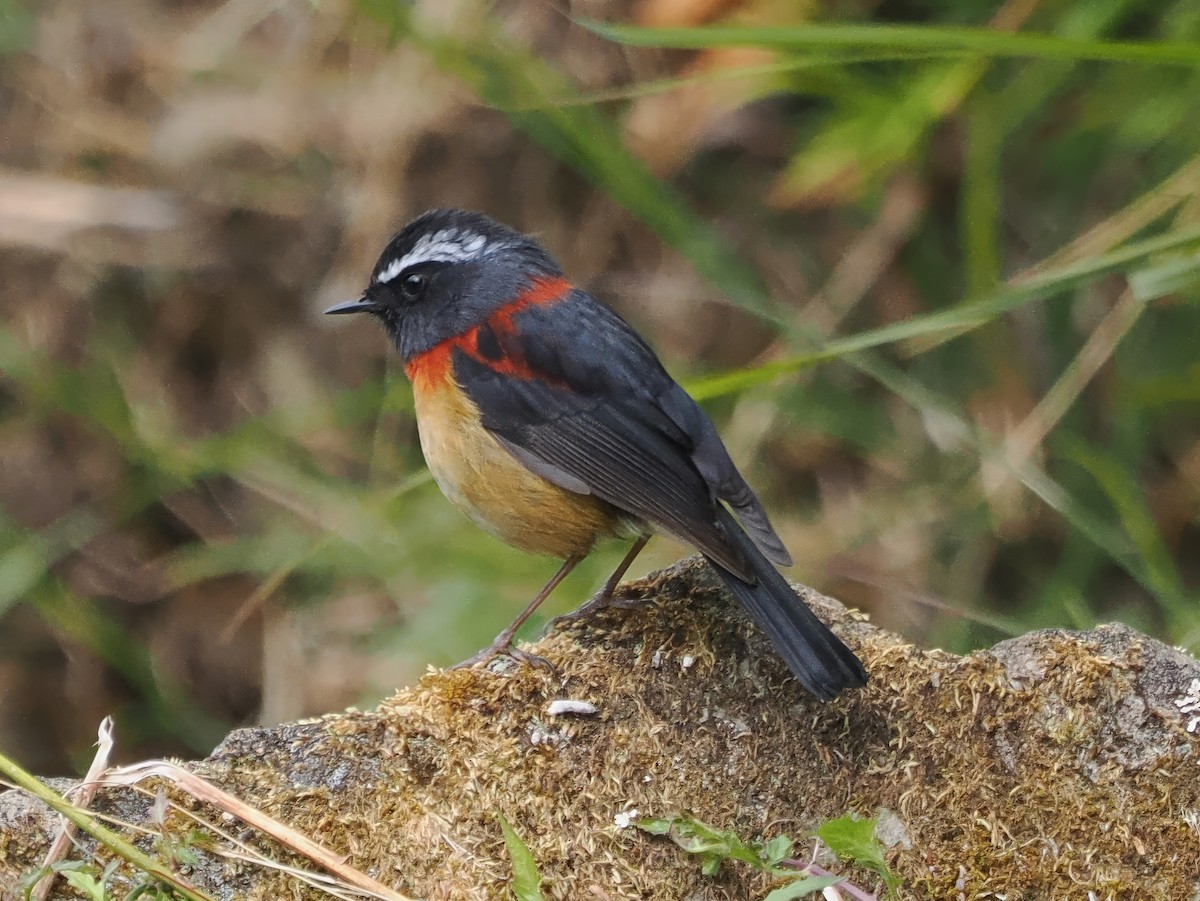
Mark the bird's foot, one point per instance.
(601, 600)
(503, 647)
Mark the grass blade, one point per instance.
(926, 38)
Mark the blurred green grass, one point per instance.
(1001, 433)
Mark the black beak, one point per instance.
(362, 304)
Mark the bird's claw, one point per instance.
(600, 601)
(505, 648)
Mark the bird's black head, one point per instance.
(446, 272)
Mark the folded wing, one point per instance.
(594, 411)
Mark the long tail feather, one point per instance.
(816, 657)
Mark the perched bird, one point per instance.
(552, 424)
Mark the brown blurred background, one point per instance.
(213, 507)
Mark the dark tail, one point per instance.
(816, 657)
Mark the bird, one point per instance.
(552, 424)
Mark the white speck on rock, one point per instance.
(568, 707)
(541, 736)
(1190, 704)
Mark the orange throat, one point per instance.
(430, 370)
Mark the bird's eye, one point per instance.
(413, 285)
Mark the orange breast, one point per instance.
(487, 483)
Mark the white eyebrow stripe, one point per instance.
(446, 246)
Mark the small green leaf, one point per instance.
(61, 868)
(655, 825)
(853, 838)
(806, 885)
(86, 883)
(777, 849)
(526, 881)
(714, 846)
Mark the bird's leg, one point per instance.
(605, 597)
(503, 645)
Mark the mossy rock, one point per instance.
(1053, 765)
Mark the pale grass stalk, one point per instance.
(1025, 439)
(206, 791)
(83, 793)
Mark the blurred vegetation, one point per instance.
(982, 221)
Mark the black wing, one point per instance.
(592, 410)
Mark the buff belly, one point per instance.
(487, 483)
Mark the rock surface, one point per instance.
(1054, 765)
